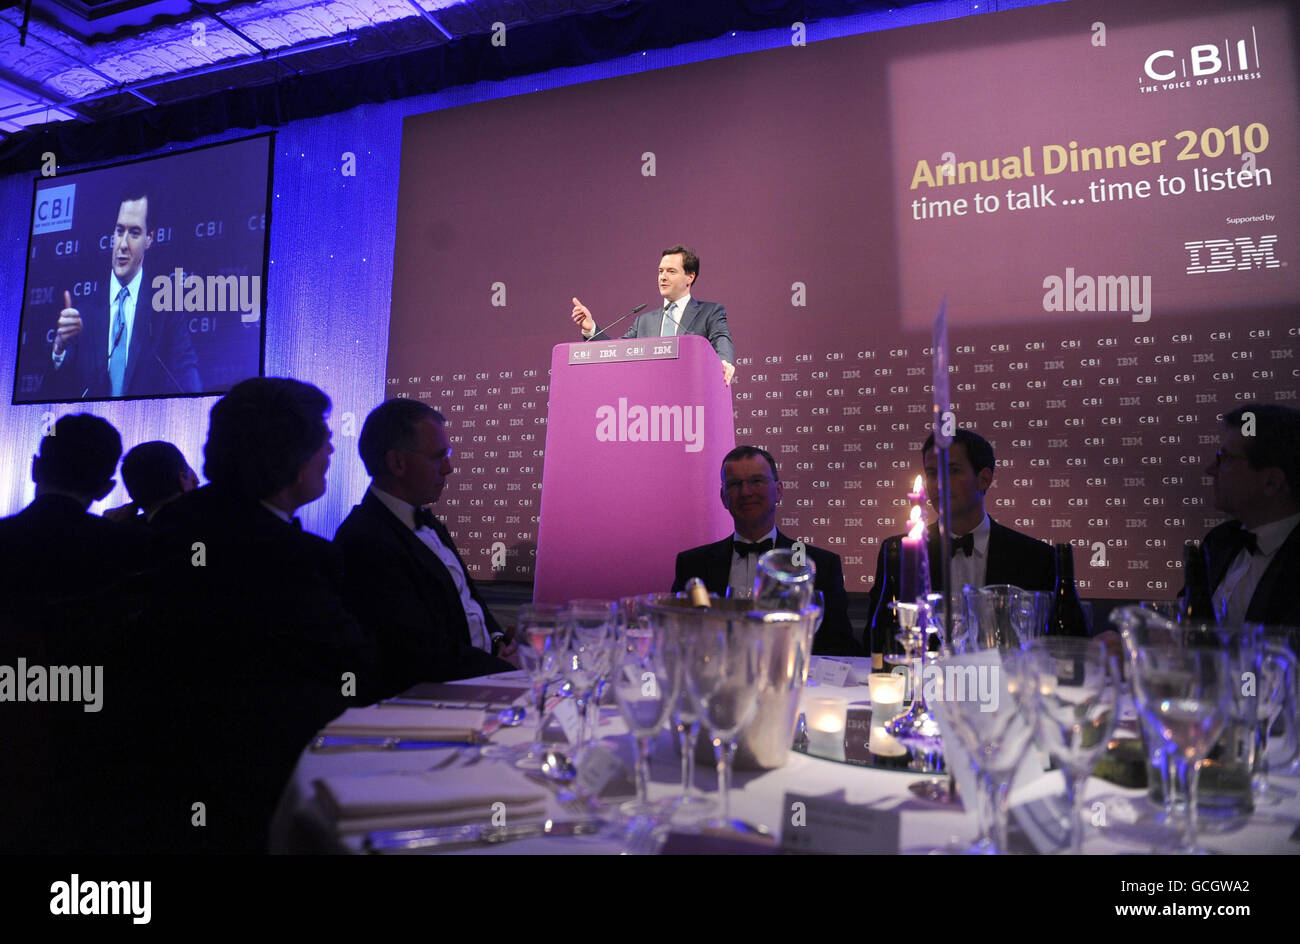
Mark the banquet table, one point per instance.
(1127, 823)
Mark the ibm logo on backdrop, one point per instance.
(1226, 255)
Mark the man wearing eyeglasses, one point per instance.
(1254, 559)
(403, 577)
(751, 490)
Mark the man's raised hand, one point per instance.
(582, 318)
(69, 325)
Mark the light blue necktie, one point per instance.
(670, 326)
(117, 357)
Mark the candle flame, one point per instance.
(917, 487)
(915, 523)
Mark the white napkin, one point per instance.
(433, 724)
(432, 798)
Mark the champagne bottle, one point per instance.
(698, 594)
(884, 621)
(1067, 613)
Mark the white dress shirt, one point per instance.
(405, 512)
(128, 314)
(1233, 594)
(971, 570)
(743, 569)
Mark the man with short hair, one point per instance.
(983, 551)
(54, 548)
(154, 474)
(113, 344)
(256, 651)
(678, 313)
(1254, 558)
(751, 490)
(405, 579)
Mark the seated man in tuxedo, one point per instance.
(1254, 559)
(678, 313)
(154, 473)
(404, 577)
(751, 490)
(983, 551)
(255, 648)
(113, 344)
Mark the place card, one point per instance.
(829, 672)
(823, 825)
(566, 712)
(599, 766)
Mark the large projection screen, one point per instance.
(1104, 192)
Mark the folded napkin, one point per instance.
(432, 724)
(433, 798)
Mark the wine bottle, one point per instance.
(1067, 613)
(884, 621)
(1197, 603)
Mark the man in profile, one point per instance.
(154, 473)
(751, 490)
(983, 551)
(255, 648)
(405, 579)
(678, 313)
(1253, 559)
(114, 344)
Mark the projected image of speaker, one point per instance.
(147, 279)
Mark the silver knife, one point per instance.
(473, 834)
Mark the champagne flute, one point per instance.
(541, 647)
(645, 687)
(723, 673)
(1077, 687)
(1186, 694)
(589, 625)
(1276, 694)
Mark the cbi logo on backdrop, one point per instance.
(54, 206)
(1213, 62)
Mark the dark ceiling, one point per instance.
(92, 65)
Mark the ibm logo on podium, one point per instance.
(54, 209)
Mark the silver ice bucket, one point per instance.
(786, 647)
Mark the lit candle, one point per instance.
(887, 691)
(827, 718)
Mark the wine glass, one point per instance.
(541, 638)
(690, 805)
(1186, 694)
(990, 708)
(1277, 690)
(590, 629)
(1077, 686)
(646, 683)
(723, 670)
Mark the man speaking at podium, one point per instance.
(679, 313)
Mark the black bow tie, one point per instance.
(296, 522)
(423, 516)
(1243, 540)
(758, 548)
(965, 543)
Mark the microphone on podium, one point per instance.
(624, 318)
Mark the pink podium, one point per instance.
(635, 435)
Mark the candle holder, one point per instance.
(918, 727)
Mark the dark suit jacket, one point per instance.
(1276, 599)
(254, 653)
(401, 590)
(161, 359)
(712, 564)
(1013, 558)
(707, 319)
